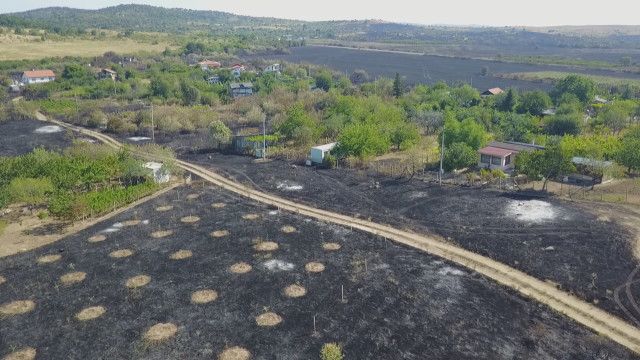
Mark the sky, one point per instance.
(450, 12)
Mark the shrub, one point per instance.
(331, 351)
(42, 215)
(329, 161)
(3, 225)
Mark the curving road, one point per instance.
(578, 310)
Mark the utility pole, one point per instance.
(441, 157)
(153, 128)
(77, 115)
(264, 137)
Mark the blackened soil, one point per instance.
(400, 303)
(583, 255)
(18, 137)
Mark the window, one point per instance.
(507, 160)
(496, 160)
(485, 159)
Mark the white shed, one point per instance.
(160, 176)
(318, 152)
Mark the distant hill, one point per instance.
(144, 18)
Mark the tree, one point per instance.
(359, 77)
(625, 60)
(629, 154)
(458, 156)
(534, 102)
(427, 119)
(190, 94)
(331, 351)
(220, 134)
(509, 101)
(543, 164)
(515, 127)
(73, 71)
(404, 136)
(582, 87)
(615, 117)
(466, 96)
(160, 87)
(564, 124)
(324, 81)
(398, 86)
(466, 131)
(484, 71)
(297, 118)
(362, 140)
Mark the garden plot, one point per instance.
(219, 288)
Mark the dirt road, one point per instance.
(578, 310)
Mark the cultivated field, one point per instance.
(424, 69)
(199, 272)
(568, 244)
(20, 49)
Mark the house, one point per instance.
(213, 79)
(236, 70)
(37, 76)
(590, 171)
(273, 68)
(500, 155)
(491, 92)
(319, 152)
(240, 90)
(206, 65)
(107, 74)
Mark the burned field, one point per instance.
(21, 136)
(551, 239)
(197, 272)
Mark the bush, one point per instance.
(3, 225)
(329, 162)
(42, 215)
(331, 351)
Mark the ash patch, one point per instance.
(450, 271)
(49, 129)
(288, 186)
(278, 265)
(113, 228)
(138, 138)
(534, 211)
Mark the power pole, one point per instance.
(441, 157)
(77, 115)
(264, 138)
(153, 128)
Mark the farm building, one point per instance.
(37, 76)
(240, 90)
(500, 155)
(105, 74)
(491, 92)
(318, 152)
(208, 64)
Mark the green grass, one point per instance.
(553, 76)
(598, 64)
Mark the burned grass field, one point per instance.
(551, 239)
(218, 286)
(19, 137)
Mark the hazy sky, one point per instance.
(496, 12)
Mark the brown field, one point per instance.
(18, 48)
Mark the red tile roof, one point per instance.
(39, 74)
(495, 91)
(209, 63)
(494, 151)
(236, 66)
(109, 71)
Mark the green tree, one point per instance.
(160, 87)
(73, 71)
(564, 124)
(220, 134)
(458, 156)
(29, 190)
(629, 154)
(544, 164)
(466, 96)
(582, 87)
(404, 136)
(297, 118)
(362, 140)
(615, 117)
(625, 60)
(509, 101)
(331, 351)
(359, 77)
(324, 81)
(515, 127)
(190, 94)
(398, 86)
(534, 102)
(467, 131)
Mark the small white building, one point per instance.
(37, 76)
(274, 68)
(236, 70)
(318, 152)
(160, 175)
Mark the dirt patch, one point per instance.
(288, 229)
(121, 253)
(164, 208)
(17, 307)
(90, 313)
(235, 353)
(24, 354)
(314, 267)
(161, 234)
(251, 216)
(2, 279)
(48, 259)
(220, 233)
(295, 291)
(331, 246)
(131, 222)
(97, 238)
(160, 332)
(240, 268)
(190, 219)
(72, 277)
(193, 196)
(266, 246)
(204, 296)
(268, 319)
(218, 205)
(138, 281)
(181, 254)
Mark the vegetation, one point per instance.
(331, 351)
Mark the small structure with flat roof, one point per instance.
(319, 152)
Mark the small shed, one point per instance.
(595, 170)
(318, 152)
(160, 175)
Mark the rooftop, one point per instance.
(516, 146)
(494, 151)
(39, 73)
(326, 147)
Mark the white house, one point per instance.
(236, 70)
(274, 68)
(318, 152)
(37, 76)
